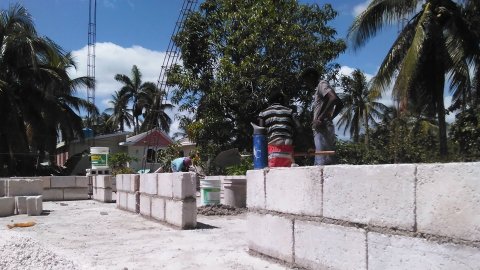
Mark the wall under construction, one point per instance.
(410, 216)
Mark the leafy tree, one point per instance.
(120, 115)
(436, 41)
(465, 131)
(236, 53)
(119, 163)
(155, 107)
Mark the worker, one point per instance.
(181, 164)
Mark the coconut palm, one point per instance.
(135, 91)
(120, 115)
(360, 108)
(423, 53)
(155, 115)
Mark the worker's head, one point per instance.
(277, 96)
(187, 162)
(310, 76)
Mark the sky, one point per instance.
(137, 32)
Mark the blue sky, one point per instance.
(138, 31)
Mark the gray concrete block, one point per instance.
(270, 235)
(295, 190)
(134, 182)
(81, 181)
(182, 214)
(256, 189)
(184, 185)
(62, 181)
(133, 202)
(381, 195)
(7, 206)
(2, 187)
(46, 181)
(122, 201)
(326, 246)
(102, 194)
(165, 184)
(148, 183)
(34, 205)
(448, 200)
(72, 194)
(119, 182)
(158, 209)
(55, 194)
(24, 187)
(145, 205)
(401, 252)
(21, 205)
(103, 181)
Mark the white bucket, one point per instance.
(235, 191)
(210, 191)
(99, 157)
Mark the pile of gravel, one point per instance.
(220, 210)
(25, 253)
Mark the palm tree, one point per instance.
(423, 53)
(120, 115)
(360, 108)
(136, 92)
(155, 115)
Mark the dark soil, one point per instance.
(220, 210)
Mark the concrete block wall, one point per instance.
(65, 188)
(102, 188)
(169, 198)
(128, 196)
(405, 216)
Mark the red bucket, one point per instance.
(280, 155)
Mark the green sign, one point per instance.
(99, 159)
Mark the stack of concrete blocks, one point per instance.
(102, 188)
(65, 188)
(128, 196)
(169, 198)
(409, 216)
(23, 196)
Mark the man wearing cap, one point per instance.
(181, 164)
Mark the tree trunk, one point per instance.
(367, 129)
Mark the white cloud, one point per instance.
(358, 9)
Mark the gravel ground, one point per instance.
(94, 235)
(220, 210)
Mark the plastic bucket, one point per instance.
(235, 191)
(99, 157)
(210, 191)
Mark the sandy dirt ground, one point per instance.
(94, 235)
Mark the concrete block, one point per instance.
(448, 200)
(158, 208)
(401, 252)
(7, 206)
(182, 214)
(148, 183)
(295, 190)
(81, 181)
(34, 205)
(381, 195)
(122, 202)
(72, 194)
(165, 185)
(133, 202)
(24, 187)
(2, 187)
(103, 181)
(119, 181)
(270, 235)
(184, 185)
(326, 246)
(134, 182)
(145, 205)
(62, 181)
(46, 181)
(102, 194)
(256, 189)
(21, 205)
(114, 184)
(55, 194)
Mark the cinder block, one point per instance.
(114, 184)
(103, 181)
(34, 205)
(182, 214)
(46, 181)
(448, 200)
(134, 182)
(158, 208)
(401, 252)
(55, 194)
(270, 235)
(62, 181)
(2, 187)
(102, 194)
(382, 195)
(148, 183)
(81, 181)
(184, 185)
(165, 185)
(24, 187)
(122, 201)
(119, 181)
(145, 205)
(326, 246)
(256, 189)
(295, 190)
(133, 202)
(7, 206)
(72, 194)
(21, 205)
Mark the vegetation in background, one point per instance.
(165, 156)
(119, 161)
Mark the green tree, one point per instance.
(155, 111)
(120, 115)
(360, 108)
(433, 43)
(236, 53)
